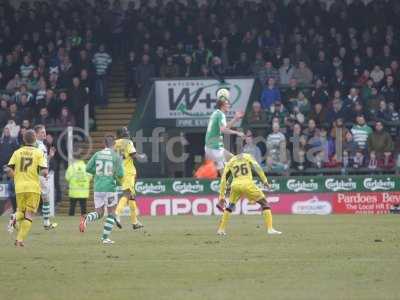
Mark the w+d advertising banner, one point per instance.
(191, 102)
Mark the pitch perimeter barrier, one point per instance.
(289, 195)
(293, 184)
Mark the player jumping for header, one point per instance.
(217, 126)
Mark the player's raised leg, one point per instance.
(93, 216)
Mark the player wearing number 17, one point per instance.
(239, 169)
(25, 166)
(106, 166)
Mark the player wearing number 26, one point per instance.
(239, 172)
(106, 166)
(25, 166)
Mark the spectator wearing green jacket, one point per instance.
(79, 185)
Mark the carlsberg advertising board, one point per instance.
(195, 99)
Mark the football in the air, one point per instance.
(223, 93)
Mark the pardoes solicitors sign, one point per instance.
(365, 203)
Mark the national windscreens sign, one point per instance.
(191, 102)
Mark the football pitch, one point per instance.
(317, 257)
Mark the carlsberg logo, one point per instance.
(150, 188)
(379, 184)
(275, 186)
(215, 186)
(187, 187)
(297, 185)
(340, 184)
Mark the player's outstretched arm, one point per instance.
(237, 117)
(140, 157)
(226, 129)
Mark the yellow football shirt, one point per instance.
(125, 148)
(27, 162)
(239, 169)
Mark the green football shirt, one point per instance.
(214, 136)
(106, 166)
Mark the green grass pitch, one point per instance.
(317, 257)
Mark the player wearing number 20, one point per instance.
(239, 169)
(106, 166)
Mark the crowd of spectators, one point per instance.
(52, 63)
(321, 68)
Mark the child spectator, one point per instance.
(358, 159)
(372, 162)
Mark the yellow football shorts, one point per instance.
(28, 202)
(245, 190)
(128, 183)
